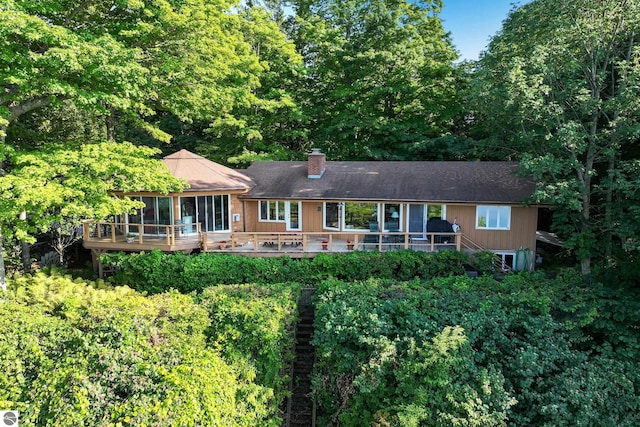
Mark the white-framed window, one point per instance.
(392, 214)
(359, 216)
(507, 260)
(493, 217)
(272, 211)
(350, 216)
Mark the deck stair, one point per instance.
(300, 410)
(498, 263)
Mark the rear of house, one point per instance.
(482, 200)
(466, 206)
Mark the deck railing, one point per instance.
(167, 235)
(331, 241)
(151, 233)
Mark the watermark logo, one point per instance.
(8, 418)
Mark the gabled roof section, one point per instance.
(443, 182)
(203, 174)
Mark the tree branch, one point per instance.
(23, 107)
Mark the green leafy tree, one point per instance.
(380, 76)
(122, 59)
(57, 188)
(559, 90)
(271, 123)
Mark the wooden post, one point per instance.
(85, 230)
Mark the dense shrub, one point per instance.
(87, 354)
(475, 352)
(253, 325)
(156, 271)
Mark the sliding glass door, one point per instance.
(419, 214)
(156, 212)
(211, 212)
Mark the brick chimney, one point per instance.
(315, 164)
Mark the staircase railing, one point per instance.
(498, 262)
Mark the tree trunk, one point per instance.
(586, 227)
(110, 123)
(25, 249)
(608, 216)
(3, 281)
(25, 254)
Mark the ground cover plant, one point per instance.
(89, 354)
(457, 351)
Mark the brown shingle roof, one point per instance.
(203, 174)
(471, 182)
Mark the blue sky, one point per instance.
(472, 22)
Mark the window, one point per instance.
(157, 210)
(358, 216)
(211, 212)
(349, 216)
(331, 218)
(507, 261)
(392, 215)
(271, 211)
(493, 217)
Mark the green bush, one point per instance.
(252, 325)
(87, 354)
(155, 271)
(476, 352)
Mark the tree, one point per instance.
(58, 187)
(126, 56)
(271, 123)
(559, 90)
(122, 58)
(380, 78)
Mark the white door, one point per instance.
(293, 216)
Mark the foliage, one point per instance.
(558, 90)
(135, 57)
(380, 77)
(270, 124)
(61, 185)
(157, 272)
(86, 354)
(253, 325)
(475, 352)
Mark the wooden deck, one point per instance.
(101, 237)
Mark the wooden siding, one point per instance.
(311, 218)
(236, 209)
(522, 233)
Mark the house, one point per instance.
(304, 207)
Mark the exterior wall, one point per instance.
(236, 214)
(311, 218)
(236, 204)
(522, 233)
